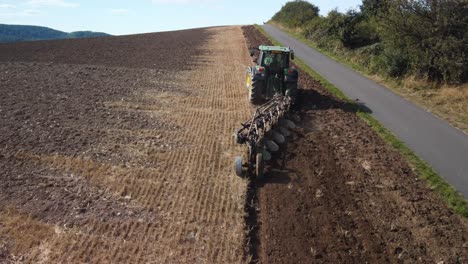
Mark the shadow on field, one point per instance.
(275, 176)
(312, 100)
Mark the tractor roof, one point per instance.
(274, 48)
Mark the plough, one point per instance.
(263, 135)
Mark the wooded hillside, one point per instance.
(16, 33)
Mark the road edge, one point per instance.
(448, 193)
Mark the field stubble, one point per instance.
(108, 163)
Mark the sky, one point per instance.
(122, 17)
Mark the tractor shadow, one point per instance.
(309, 99)
(274, 175)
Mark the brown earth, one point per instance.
(169, 50)
(120, 149)
(339, 194)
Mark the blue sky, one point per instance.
(120, 17)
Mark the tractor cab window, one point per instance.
(275, 60)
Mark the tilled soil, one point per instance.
(58, 111)
(174, 50)
(119, 150)
(339, 194)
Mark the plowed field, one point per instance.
(120, 150)
(341, 195)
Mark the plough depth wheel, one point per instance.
(238, 166)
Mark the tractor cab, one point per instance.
(272, 73)
(274, 57)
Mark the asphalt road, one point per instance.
(444, 147)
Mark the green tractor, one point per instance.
(272, 86)
(272, 74)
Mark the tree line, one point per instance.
(425, 38)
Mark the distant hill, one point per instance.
(17, 33)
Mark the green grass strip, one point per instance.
(453, 198)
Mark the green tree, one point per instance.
(296, 13)
(352, 29)
(432, 34)
(356, 31)
(372, 8)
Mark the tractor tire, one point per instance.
(255, 92)
(238, 166)
(259, 165)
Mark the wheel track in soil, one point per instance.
(196, 200)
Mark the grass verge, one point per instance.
(453, 198)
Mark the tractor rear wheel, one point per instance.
(255, 91)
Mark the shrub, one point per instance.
(428, 38)
(296, 13)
